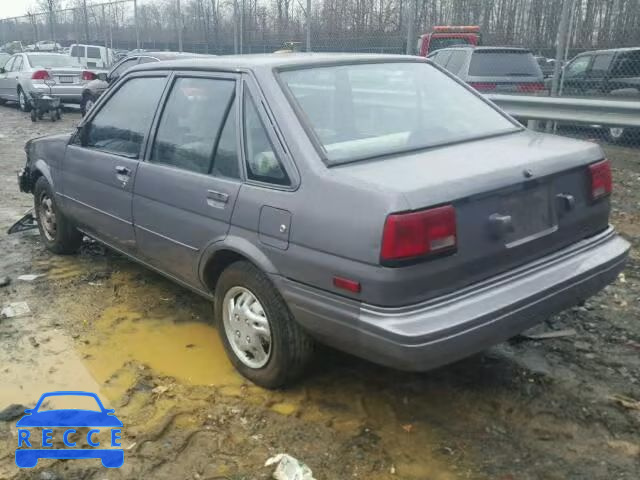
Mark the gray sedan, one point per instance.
(27, 73)
(374, 203)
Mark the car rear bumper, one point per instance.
(66, 93)
(445, 329)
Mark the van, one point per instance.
(92, 56)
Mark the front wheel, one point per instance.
(617, 134)
(261, 338)
(57, 233)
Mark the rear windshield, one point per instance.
(503, 64)
(52, 61)
(366, 110)
(438, 43)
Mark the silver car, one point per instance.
(27, 73)
(374, 203)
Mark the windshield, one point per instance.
(503, 64)
(52, 61)
(366, 110)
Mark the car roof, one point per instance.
(486, 49)
(44, 53)
(609, 50)
(162, 55)
(264, 61)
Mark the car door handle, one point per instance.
(217, 199)
(123, 171)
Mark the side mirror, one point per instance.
(103, 76)
(2, 70)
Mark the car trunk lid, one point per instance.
(517, 197)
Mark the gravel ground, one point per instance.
(561, 408)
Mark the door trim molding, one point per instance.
(167, 238)
(96, 209)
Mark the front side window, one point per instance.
(191, 122)
(578, 67)
(456, 61)
(123, 122)
(402, 106)
(8, 67)
(263, 164)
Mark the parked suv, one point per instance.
(333, 198)
(493, 69)
(605, 73)
(95, 88)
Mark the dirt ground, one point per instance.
(561, 408)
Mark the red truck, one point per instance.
(447, 36)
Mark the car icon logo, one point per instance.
(28, 453)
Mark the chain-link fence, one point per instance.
(571, 47)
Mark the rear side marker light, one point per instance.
(87, 75)
(346, 284)
(417, 234)
(601, 181)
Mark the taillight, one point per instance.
(40, 75)
(531, 87)
(601, 181)
(87, 75)
(416, 234)
(483, 86)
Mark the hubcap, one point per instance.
(88, 105)
(23, 100)
(616, 132)
(246, 327)
(47, 217)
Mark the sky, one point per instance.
(14, 8)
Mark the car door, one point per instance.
(597, 74)
(102, 159)
(4, 78)
(574, 76)
(186, 188)
(12, 78)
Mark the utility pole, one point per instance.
(561, 44)
(86, 21)
(235, 27)
(308, 25)
(135, 21)
(180, 28)
(411, 20)
(242, 29)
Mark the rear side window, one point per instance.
(628, 65)
(93, 52)
(77, 51)
(503, 63)
(263, 164)
(191, 123)
(123, 122)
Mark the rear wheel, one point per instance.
(57, 233)
(260, 336)
(619, 134)
(23, 101)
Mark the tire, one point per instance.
(290, 348)
(34, 116)
(23, 101)
(63, 237)
(86, 103)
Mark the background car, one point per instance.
(54, 73)
(95, 88)
(493, 69)
(4, 57)
(92, 56)
(44, 46)
(613, 73)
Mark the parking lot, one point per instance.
(562, 407)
